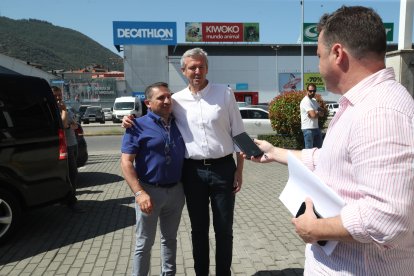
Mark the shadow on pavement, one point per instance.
(90, 179)
(55, 227)
(283, 272)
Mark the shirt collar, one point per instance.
(158, 118)
(363, 88)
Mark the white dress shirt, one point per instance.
(207, 121)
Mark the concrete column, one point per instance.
(403, 63)
(403, 60)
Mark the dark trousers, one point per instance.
(202, 185)
(73, 172)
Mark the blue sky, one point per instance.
(280, 20)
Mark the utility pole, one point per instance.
(301, 45)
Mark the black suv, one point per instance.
(33, 156)
(93, 114)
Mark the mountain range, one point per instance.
(51, 47)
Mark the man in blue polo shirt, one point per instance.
(157, 148)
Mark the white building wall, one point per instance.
(259, 72)
(144, 65)
(147, 64)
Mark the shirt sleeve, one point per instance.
(382, 153)
(236, 122)
(130, 142)
(306, 104)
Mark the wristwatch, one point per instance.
(138, 193)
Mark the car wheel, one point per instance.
(10, 214)
(85, 122)
(102, 121)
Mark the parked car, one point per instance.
(124, 106)
(82, 147)
(81, 111)
(262, 106)
(107, 113)
(33, 163)
(93, 114)
(333, 108)
(256, 121)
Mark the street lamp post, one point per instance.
(276, 48)
(301, 45)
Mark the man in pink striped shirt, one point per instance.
(367, 156)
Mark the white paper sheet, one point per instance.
(303, 183)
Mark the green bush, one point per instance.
(284, 114)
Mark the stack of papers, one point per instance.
(303, 183)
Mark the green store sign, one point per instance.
(310, 32)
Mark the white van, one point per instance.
(123, 106)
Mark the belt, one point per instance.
(208, 162)
(159, 185)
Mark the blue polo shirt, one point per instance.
(159, 154)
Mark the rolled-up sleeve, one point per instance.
(382, 157)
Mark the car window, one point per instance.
(256, 114)
(244, 114)
(27, 110)
(124, 105)
(253, 114)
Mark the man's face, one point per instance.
(195, 70)
(311, 91)
(58, 95)
(160, 102)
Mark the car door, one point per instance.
(256, 121)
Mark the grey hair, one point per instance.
(192, 53)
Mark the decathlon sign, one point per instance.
(144, 33)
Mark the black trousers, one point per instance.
(205, 184)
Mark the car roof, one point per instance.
(252, 108)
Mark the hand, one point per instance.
(305, 223)
(267, 149)
(144, 202)
(61, 105)
(238, 181)
(128, 121)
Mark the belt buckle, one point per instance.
(205, 162)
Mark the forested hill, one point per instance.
(52, 47)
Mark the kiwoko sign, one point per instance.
(221, 32)
(144, 33)
(310, 32)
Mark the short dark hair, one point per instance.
(358, 28)
(148, 90)
(310, 84)
(55, 89)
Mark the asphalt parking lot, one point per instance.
(54, 241)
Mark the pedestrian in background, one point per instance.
(310, 112)
(367, 156)
(151, 161)
(69, 125)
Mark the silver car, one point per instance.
(256, 121)
(107, 113)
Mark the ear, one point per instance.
(338, 53)
(147, 103)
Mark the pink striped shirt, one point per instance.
(368, 159)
